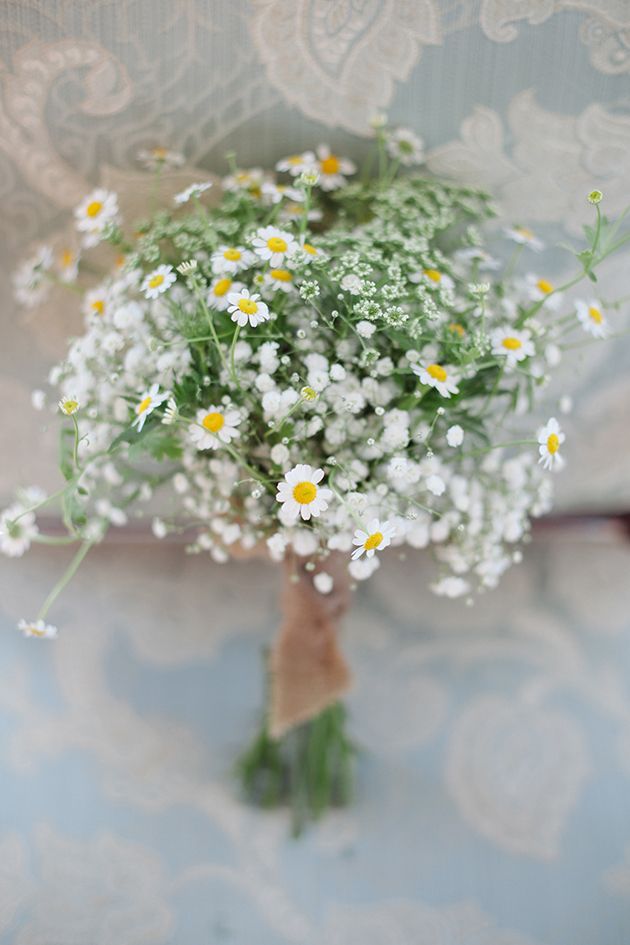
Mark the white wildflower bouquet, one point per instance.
(316, 368)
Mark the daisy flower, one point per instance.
(296, 163)
(151, 399)
(433, 278)
(542, 290)
(247, 309)
(158, 281)
(300, 493)
(524, 237)
(94, 213)
(332, 169)
(195, 190)
(218, 292)
(250, 180)
(274, 193)
(439, 376)
(378, 536)
(272, 245)
(591, 318)
(68, 265)
(95, 302)
(479, 256)
(69, 405)
(231, 259)
(310, 252)
(405, 146)
(551, 438)
(279, 279)
(214, 426)
(156, 158)
(30, 284)
(37, 628)
(513, 345)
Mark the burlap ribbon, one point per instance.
(308, 670)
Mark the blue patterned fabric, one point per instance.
(493, 784)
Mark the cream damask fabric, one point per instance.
(530, 98)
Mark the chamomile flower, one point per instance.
(151, 399)
(94, 213)
(512, 344)
(195, 190)
(250, 180)
(296, 163)
(67, 264)
(481, 257)
(273, 193)
(551, 438)
(300, 493)
(159, 157)
(279, 279)
(16, 533)
(274, 245)
(591, 318)
(247, 309)
(171, 412)
(405, 146)
(158, 281)
(378, 536)
(540, 289)
(231, 259)
(524, 237)
(37, 628)
(332, 169)
(219, 291)
(432, 278)
(439, 376)
(214, 426)
(69, 405)
(308, 252)
(95, 302)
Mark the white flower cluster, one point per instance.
(337, 389)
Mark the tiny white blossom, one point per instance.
(323, 582)
(455, 435)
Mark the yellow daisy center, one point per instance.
(156, 281)
(222, 286)
(36, 632)
(308, 393)
(99, 306)
(553, 443)
(512, 344)
(437, 372)
(595, 314)
(248, 306)
(330, 165)
(283, 275)
(433, 275)
(524, 231)
(70, 406)
(544, 286)
(67, 258)
(213, 421)
(144, 405)
(373, 541)
(294, 159)
(159, 153)
(276, 244)
(309, 249)
(231, 254)
(93, 209)
(304, 492)
(457, 329)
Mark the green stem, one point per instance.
(71, 570)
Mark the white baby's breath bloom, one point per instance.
(38, 399)
(333, 169)
(591, 318)
(455, 435)
(158, 281)
(274, 245)
(194, 190)
(436, 485)
(512, 344)
(158, 527)
(231, 259)
(37, 628)
(405, 146)
(69, 405)
(247, 309)
(365, 329)
(214, 426)
(323, 582)
(16, 534)
(451, 587)
(160, 157)
(524, 237)
(378, 536)
(551, 438)
(300, 493)
(149, 400)
(94, 213)
(439, 376)
(296, 163)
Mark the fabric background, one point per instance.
(493, 786)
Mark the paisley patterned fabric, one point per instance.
(491, 806)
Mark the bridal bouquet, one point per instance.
(318, 368)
